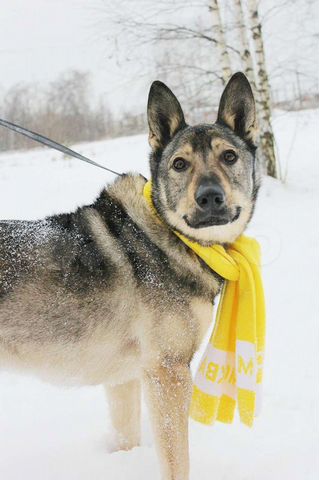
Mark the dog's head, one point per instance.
(205, 179)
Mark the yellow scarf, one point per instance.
(230, 370)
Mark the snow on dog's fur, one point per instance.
(108, 294)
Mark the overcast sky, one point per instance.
(41, 38)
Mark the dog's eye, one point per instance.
(180, 164)
(229, 157)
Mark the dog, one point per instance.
(109, 294)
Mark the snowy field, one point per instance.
(59, 433)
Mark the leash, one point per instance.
(52, 144)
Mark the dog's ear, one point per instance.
(237, 108)
(165, 115)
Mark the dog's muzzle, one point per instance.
(211, 207)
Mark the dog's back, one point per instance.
(80, 291)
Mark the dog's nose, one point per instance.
(210, 197)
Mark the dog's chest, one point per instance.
(202, 311)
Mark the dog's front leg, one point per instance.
(168, 393)
(125, 409)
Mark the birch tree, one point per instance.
(267, 143)
(244, 48)
(219, 35)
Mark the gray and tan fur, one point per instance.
(109, 294)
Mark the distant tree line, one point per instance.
(62, 111)
(65, 112)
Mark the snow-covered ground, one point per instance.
(55, 433)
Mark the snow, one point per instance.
(62, 433)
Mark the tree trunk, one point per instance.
(267, 143)
(219, 33)
(248, 65)
(244, 48)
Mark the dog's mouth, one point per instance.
(212, 220)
